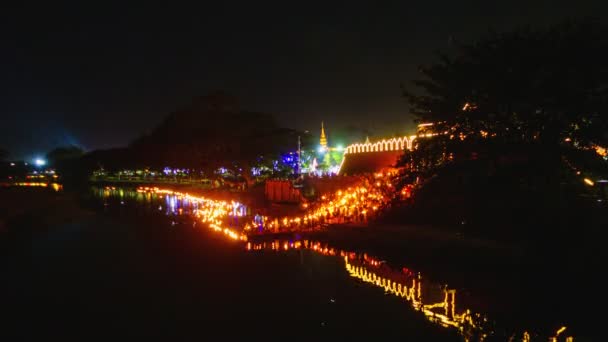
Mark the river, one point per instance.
(143, 266)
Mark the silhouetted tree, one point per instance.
(524, 85)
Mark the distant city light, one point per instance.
(12, 164)
(588, 181)
(40, 162)
(340, 148)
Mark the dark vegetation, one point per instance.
(525, 85)
(517, 117)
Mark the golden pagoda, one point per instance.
(323, 140)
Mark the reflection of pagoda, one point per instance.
(323, 140)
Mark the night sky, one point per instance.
(98, 76)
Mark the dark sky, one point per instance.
(100, 75)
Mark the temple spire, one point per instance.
(323, 140)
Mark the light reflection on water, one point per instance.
(54, 186)
(439, 303)
(222, 216)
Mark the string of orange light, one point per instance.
(355, 203)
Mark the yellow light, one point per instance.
(588, 181)
(345, 202)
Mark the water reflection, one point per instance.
(439, 303)
(54, 186)
(222, 216)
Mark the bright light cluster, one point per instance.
(354, 204)
(602, 151)
(211, 212)
(393, 144)
(54, 186)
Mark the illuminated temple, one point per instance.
(381, 155)
(323, 139)
(370, 157)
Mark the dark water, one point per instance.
(143, 268)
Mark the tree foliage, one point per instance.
(524, 85)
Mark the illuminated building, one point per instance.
(323, 139)
(394, 144)
(377, 156)
(382, 155)
(323, 160)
